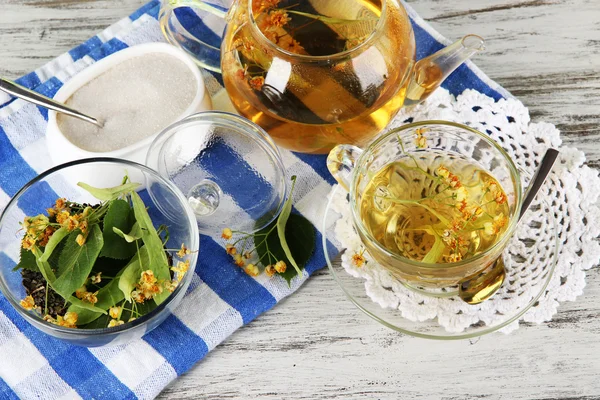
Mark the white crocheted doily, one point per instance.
(571, 194)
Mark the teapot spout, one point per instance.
(429, 73)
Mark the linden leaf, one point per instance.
(54, 240)
(436, 251)
(26, 261)
(135, 234)
(44, 266)
(157, 259)
(281, 223)
(300, 234)
(76, 262)
(107, 194)
(132, 272)
(84, 305)
(119, 216)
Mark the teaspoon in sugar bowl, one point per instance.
(21, 92)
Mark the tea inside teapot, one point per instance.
(317, 73)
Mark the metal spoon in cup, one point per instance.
(21, 92)
(481, 287)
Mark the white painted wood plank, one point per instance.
(316, 344)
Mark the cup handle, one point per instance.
(341, 162)
(205, 54)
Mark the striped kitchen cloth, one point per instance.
(221, 297)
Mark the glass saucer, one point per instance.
(530, 259)
(227, 167)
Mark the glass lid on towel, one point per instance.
(228, 168)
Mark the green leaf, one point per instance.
(281, 223)
(43, 266)
(132, 236)
(300, 234)
(54, 240)
(109, 296)
(107, 194)
(132, 272)
(157, 259)
(26, 261)
(119, 216)
(83, 305)
(75, 262)
(436, 250)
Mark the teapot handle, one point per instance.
(210, 17)
(341, 162)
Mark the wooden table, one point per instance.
(316, 344)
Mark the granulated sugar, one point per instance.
(135, 99)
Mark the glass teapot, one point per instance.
(313, 73)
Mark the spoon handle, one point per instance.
(538, 179)
(33, 97)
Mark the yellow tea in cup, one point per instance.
(434, 208)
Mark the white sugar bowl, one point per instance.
(63, 149)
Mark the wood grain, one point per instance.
(316, 344)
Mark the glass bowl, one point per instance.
(228, 168)
(165, 203)
(529, 257)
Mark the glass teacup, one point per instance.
(456, 195)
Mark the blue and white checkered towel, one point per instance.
(34, 365)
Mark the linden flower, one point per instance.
(257, 83)
(183, 251)
(51, 212)
(493, 227)
(247, 255)
(500, 198)
(114, 312)
(28, 243)
(230, 249)
(28, 303)
(70, 319)
(62, 217)
(489, 228)
(270, 270)
(60, 203)
(226, 234)
(80, 240)
(238, 260)
(278, 18)
(442, 171)
(260, 6)
(454, 257)
(171, 285)
(295, 47)
(181, 269)
(358, 259)
(472, 213)
(148, 277)
(461, 194)
(421, 142)
(115, 322)
(90, 297)
(280, 266)
(79, 293)
(71, 223)
(138, 297)
(83, 226)
(96, 278)
(251, 270)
